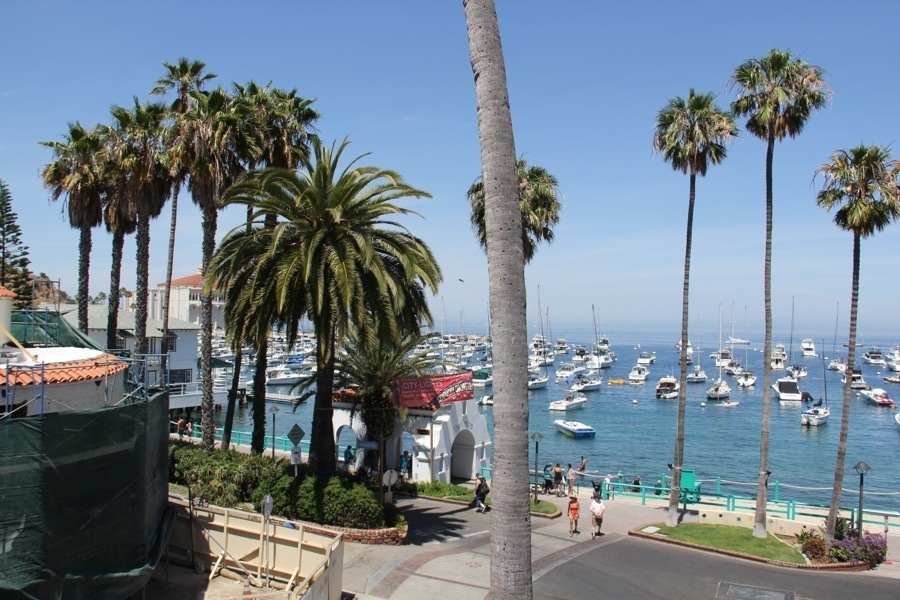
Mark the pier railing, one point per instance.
(244, 438)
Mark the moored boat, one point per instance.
(857, 382)
(486, 400)
(808, 347)
(646, 358)
(570, 402)
(746, 379)
(878, 397)
(698, 375)
(720, 390)
(537, 382)
(585, 382)
(817, 415)
(787, 390)
(638, 374)
(873, 356)
(667, 387)
(575, 429)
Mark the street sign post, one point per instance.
(296, 434)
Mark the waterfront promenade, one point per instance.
(448, 556)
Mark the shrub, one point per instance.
(871, 549)
(440, 489)
(804, 535)
(814, 547)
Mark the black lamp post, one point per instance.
(537, 437)
(862, 468)
(273, 410)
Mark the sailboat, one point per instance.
(746, 379)
(698, 375)
(538, 381)
(720, 390)
(796, 371)
(817, 414)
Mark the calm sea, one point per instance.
(636, 431)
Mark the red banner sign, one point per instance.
(434, 391)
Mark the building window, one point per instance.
(180, 376)
(120, 342)
(173, 342)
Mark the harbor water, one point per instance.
(636, 431)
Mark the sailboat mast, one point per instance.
(791, 346)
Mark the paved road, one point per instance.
(628, 567)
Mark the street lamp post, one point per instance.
(862, 468)
(537, 437)
(273, 410)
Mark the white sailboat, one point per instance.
(720, 390)
(817, 414)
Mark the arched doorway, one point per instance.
(462, 465)
(343, 437)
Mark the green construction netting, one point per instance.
(84, 498)
(43, 327)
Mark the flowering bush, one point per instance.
(814, 547)
(871, 549)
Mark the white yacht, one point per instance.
(537, 382)
(566, 370)
(646, 358)
(798, 371)
(667, 388)
(856, 379)
(570, 402)
(746, 379)
(878, 397)
(586, 382)
(808, 347)
(873, 356)
(698, 375)
(787, 391)
(722, 356)
(638, 374)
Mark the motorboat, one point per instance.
(733, 368)
(808, 347)
(897, 419)
(698, 375)
(646, 358)
(575, 429)
(580, 354)
(284, 375)
(483, 378)
(857, 382)
(817, 415)
(722, 356)
(617, 381)
(600, 359)
(570, 402)
(746, 379)
(561, 346)
(736, 341)
(837, 364)
(537, 382)
(585, 382)
(638, 374)
(566, 370)
(878, 397)
(873, 356)
(720, 390)
(667, 387)
(787, 390)
(729, 403)
(486, 400)
(798, 371)
(893, 365)
(892, 379)
(690, 349)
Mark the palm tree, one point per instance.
(865, 183)
(281, 121)
(777, 93)
(340, 260)
(205, 148)
(510, 523)
(538, 194)
(369, 368)
(185, 78)
(119, 221)
(146, 183)
(691, 135)
(76, 172)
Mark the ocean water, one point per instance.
(637, 438)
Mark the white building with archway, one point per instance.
(448, 443)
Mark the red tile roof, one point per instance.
(69, 372)
(195, 280)
(5, 293)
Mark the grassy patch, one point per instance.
(543, 507)
(735, 539)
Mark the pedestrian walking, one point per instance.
(481, 491)
(558, 480)
(573, 510)
(571, 476)
(597, 510)
(179, 428)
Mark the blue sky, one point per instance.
(586, 80)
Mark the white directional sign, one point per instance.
(296, 456)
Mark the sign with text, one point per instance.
(434, 391)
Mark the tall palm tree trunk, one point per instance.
(115, 277)
(143, 263)
(759, 522)
(834, 507)
(324, 456)
(210, 218)
(232, 398)
(84, 268)
(258, 439)
(678, 462)
(511, 523)
(164, 350)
